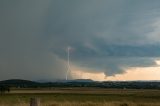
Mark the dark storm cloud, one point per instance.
(106, 35)
(113, 59)
(23, 50)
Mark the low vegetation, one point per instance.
(4, 89)
(82, 97)
(19, 83)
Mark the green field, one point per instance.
(82, 97)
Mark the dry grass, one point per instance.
(83, 97)
(87, 104)
(101, 104)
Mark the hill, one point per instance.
(19, 83)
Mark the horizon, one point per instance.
(79, 80)
(107, 40)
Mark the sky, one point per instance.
(109, 39)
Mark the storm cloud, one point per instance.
(109, 36)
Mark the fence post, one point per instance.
(34, 102)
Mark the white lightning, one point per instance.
(68, 63)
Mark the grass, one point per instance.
(82, 97)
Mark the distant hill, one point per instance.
(75, 80)
(13, 81)
(19, 83)
(82, 80)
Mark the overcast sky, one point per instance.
(105, 36)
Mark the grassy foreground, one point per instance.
(82, 97)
